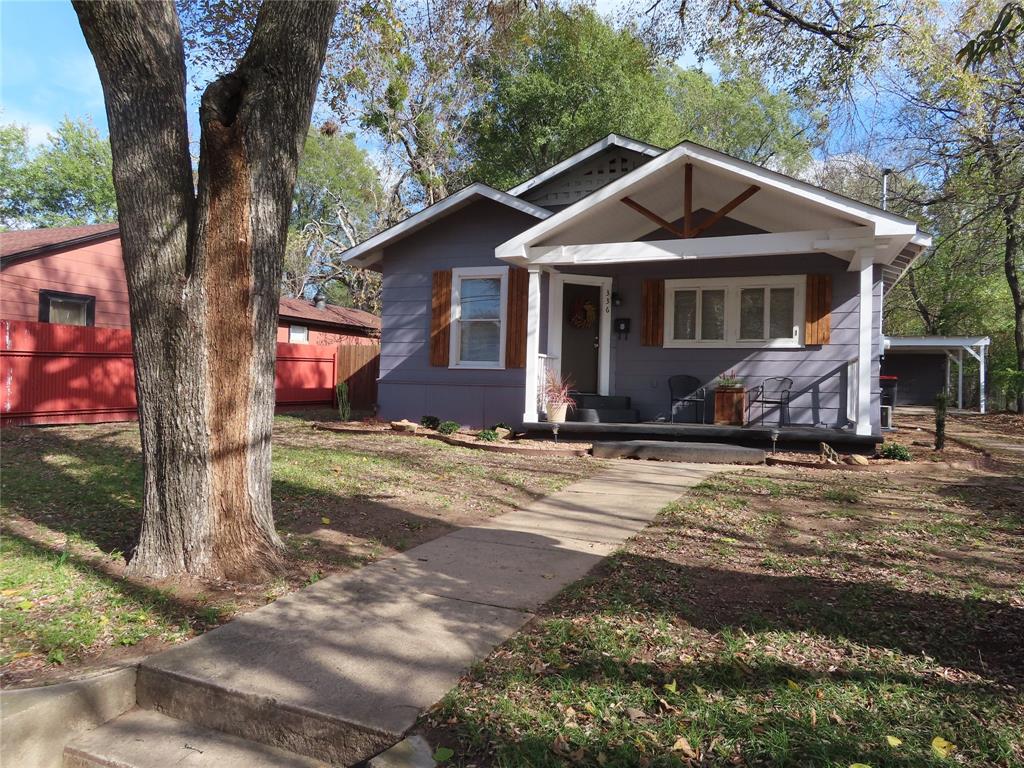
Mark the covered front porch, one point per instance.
(703, 266)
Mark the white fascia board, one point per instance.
(770, 244)
(369, 251)
(611, 140)
(884, 224)
(936, 342)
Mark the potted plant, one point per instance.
(556, 395)
(730, 400)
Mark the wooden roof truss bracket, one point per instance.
(689, 230)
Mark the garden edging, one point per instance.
(492, 447)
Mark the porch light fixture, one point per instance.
(616, 299)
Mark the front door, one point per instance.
(581, 335)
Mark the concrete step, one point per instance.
(605, 402)
(605, 415)
(663, 450)
(337, 671)
(145, 739)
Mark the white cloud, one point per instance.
(38, 129)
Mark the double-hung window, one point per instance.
(479, 299)
(735, 312)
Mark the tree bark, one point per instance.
(204, 266)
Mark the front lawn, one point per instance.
(776, 617)
(71, 501)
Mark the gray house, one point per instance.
(627, 264)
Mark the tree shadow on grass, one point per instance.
(980, 636)
(748, 657)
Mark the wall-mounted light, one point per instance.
(616, 299)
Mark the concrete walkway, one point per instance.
(341, 670)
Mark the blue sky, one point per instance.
(46, 70)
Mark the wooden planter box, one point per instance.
(730, 405)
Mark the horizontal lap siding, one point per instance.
(409, 386)
(95, 270)
(818, 372)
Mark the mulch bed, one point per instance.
(515, 445)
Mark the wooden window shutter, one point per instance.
(818, 324)
(440, 317)
(515, 317)
(652, 330)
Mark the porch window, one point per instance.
(767, 308)
(738, 312)
(699, 315)
(479, 297)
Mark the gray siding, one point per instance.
(818, 372)
(409, 386)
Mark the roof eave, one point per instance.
(40, 250)
(612, 139)
(370, 251)
(885, 223)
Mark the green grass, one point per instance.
(759, 649)
(79, 490)
(52, 606)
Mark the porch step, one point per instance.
(663, 450)
(605, 415)
(602, 402)
(145, 739)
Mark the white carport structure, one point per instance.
(954, 348)
(782, 215)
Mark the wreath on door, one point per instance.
(582, 314)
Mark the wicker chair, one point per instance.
(686, 390)
(773, 391)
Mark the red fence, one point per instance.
(66, 374)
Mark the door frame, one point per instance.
(556, 284)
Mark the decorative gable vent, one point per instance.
(591, 175)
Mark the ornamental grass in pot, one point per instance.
(556, 395)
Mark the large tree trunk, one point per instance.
(1011, 262)
(204, 268)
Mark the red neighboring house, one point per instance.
(75, 276)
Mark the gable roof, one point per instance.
(21, 244)
(369, 251)
(593, 216)
(302, 309)
(611, 140)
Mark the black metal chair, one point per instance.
(686, 390)
(773, 391)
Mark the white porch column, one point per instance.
(960, 379)
(865, 262)
(532, 345)
(981, 379)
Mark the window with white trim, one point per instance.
(298, 334)
(479, 299)
(735, 312)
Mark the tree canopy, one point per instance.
(64, 182)
(567, 79)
